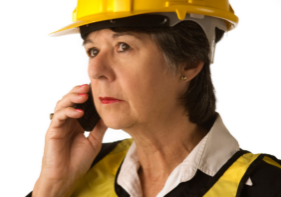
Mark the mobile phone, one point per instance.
(91, 117)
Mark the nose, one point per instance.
(100, 67)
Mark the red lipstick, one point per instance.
(108, 100)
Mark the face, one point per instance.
(130, 67)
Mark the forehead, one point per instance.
(108, 33)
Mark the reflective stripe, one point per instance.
(228, 183)
(271, 161)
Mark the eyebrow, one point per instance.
(114, 36)
(86, 41)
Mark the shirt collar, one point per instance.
(219, 147)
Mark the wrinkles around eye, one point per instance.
(122, 47)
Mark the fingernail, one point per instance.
(79, 110)
(83, 85)
(82, 94)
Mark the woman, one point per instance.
(156, 70)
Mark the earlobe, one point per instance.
(189, 73)
(183, 78)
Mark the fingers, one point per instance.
(77, 95)
(64, 109)
(62, 115)
(63, 122)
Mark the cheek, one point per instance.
(142, 74)
(142, 82)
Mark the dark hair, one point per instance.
(187, 44)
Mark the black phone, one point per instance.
(91, 117)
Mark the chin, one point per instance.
(116, 122)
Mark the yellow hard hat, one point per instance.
(90, 11)
(99, 14)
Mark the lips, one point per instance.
(109, 100)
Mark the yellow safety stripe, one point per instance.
(271, 161)
(96, 181)
(228, 183)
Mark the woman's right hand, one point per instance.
(68, 154)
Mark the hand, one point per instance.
(68, 154)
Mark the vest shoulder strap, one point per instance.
(98, 180)
(228, 184)
(272, 160)
(106, 148)
(227, 180)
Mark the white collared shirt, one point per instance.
(209, 155)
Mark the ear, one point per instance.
(192, 72)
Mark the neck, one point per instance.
(162, 146)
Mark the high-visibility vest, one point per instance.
(100, 181)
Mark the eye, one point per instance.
(93, 52)
(123, 47)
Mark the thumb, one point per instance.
(96, 135)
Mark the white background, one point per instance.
(37, 70)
